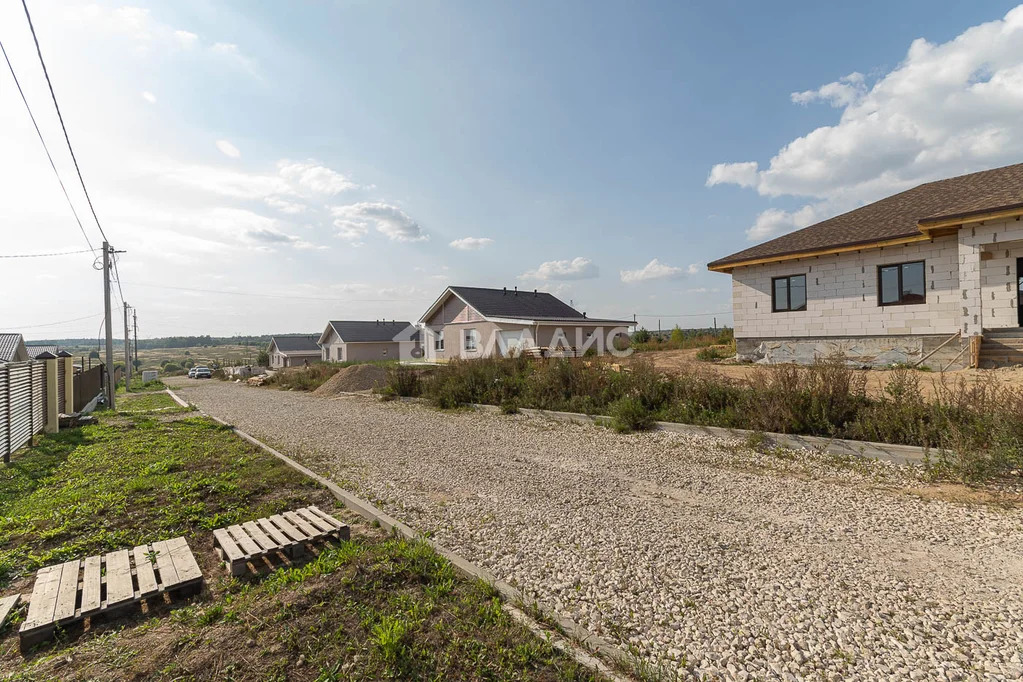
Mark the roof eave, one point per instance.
(957, 219)
(727, 266)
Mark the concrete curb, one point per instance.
(178, 400)
(510, 595)
(887, 452)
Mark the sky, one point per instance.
(268, 166)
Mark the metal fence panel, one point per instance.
(22, 404)
(61, 367)
(38, 396)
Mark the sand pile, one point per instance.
(354, 378)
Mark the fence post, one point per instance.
(69, 382)
(52, 423)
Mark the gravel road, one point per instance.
(706, 557)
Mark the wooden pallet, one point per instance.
(287, 532)
(69, 592)
(7, 605)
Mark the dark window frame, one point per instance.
(788, 287)
(901, 300)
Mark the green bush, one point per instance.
(509, 406)
(403, 381)
(629, 414)
(171, 367)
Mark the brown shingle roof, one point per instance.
(897, 216)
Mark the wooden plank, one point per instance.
(287, 528)
(275, 533)
(7, 605)
(301, 524)
(247, 544)
(91, 586)
(325, 516)
(165, 564)
(184, 562)
(254, 531)
(316, 522)
(144, 571)
(67, 591)
(44, 598)
(229, 550)
(119, 586)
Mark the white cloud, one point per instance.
(694, 268)
(655, 269)
(946, 109)
(149, 97)
(313, 177)
(186, 39)
(283, 205)
(228, 149)
(577, 268)
(354, 222)
(471, 243)
(743, 174)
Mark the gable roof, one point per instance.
(900, 218)
(369, 331)
(513, 304)
(12, 348)
(295, 344)
(35, 350)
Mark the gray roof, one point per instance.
(33, 351)
(296, 344)
(511, 303)
(9, 345)
(372, 331)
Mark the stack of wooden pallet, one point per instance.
(288, 533)
(69, 592)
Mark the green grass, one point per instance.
(114, 485)
(149, 402)
(373, 608)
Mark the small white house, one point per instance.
(365, 340)
(293, 351)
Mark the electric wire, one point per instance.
(46, 149)
(67, 139)
(44, 255)
(51, 324)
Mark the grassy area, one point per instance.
(976, 430)
(372, 608)
(132, 403)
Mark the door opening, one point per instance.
(1019, 291)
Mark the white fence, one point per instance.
(22, 404)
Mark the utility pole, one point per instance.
(135, 353)
(109, 369)
(127, 350)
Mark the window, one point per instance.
(438, 341)
(901, 284)
(470, 339)
(788, 294)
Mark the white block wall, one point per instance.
(1002, 240)
(841, 293)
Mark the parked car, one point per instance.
(191, 372)
(203, 373)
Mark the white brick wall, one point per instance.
(1001, 239)
(841, 292)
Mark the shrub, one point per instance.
(641, 336)
(629, 414)
(171, 367)
(403, 380)
(509, 406)
(304, 378)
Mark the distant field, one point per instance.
(153, 358)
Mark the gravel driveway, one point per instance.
(703, 555)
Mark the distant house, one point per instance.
(474, 322)
(12, 348)
(35, 349)
(910, 278)
(359, 341)
(292, 351)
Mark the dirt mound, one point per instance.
(354, 378)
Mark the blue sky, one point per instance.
(331, 153)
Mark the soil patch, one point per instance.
(354, 378)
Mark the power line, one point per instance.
(44, 255)
(67, 139)
(45, 148)
(335, 299)
(51, 324)
(117, 278)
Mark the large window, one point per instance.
(438, 341)
(901, 284)
(471, 337)
(788, 294)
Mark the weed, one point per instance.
(629, 414)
